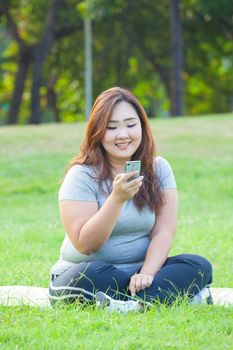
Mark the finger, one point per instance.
(135, 187)
(132, 285)
(133, 190)
(136, 181)
(117, 177)
(138, 283)
(132, 288)
(144, 283)
(130, 174)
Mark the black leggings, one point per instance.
(180, 275)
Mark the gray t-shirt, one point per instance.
(126, 248)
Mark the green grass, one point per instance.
(32, 162)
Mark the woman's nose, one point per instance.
(122, 133)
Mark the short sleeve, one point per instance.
(78, 185)
(165, 173)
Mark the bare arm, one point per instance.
(162, 234)
(89, 228)
(161, 241)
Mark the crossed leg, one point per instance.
(184, 274)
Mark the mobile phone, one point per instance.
(133, 165)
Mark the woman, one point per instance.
(119, 229)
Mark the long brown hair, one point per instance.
(92, 152)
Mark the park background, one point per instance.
(176, 56)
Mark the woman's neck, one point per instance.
(118, 167)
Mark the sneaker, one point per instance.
(104, 300)
(203, 297)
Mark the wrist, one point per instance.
(117, 199)
(147, 273)
(150, 272)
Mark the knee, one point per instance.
(207, 268)
(203, 265)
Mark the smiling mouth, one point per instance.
(122, 145)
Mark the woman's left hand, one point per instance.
(140, 281)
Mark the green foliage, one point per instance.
(8, 66)
(209, 73)
(70, 99)
(131, 48)
(29, 16)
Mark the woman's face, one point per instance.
(123, 134)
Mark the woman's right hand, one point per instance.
(123, 189)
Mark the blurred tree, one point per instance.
(208, 34)
(28, 53)
(40, 51)
(136, 36)
(24, 61)
(34, 37)
(140, 32)
(131, 48)
(177, 98)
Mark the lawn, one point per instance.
(32, 163)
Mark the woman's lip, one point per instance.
(122, 145)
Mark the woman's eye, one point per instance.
(131, 126)
(111, 127)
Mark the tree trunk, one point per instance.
(24, 62)
(18, 89)
(162, 71)
(52, 104)
(35, 117)
(88, 66)
(52, 100)
(164, 77)
(177, 85)
(40, 53)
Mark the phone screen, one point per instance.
(134, 165)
